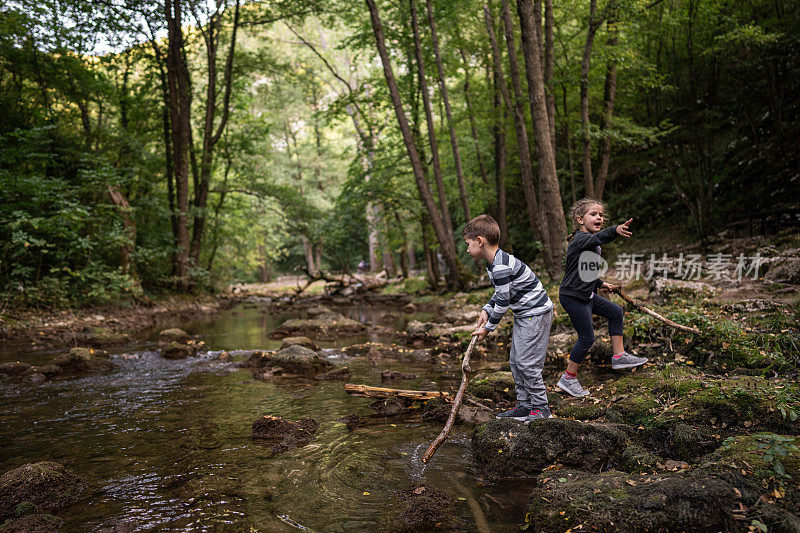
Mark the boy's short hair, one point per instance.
(483, 226)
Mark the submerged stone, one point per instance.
(283, 434)
(392, 374)
(422, 508)
(14, 368)
(33, 523)
(47, 485)
(102, 336)
(339, 373)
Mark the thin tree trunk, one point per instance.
(426, 104)
(444, 237)
(550, 209)
(568, 142)
(129, 225)
(584, 87)
(471, 114)
(609, 95)
(526, 169)
(448, 112)
(433, 274)
(499, 128)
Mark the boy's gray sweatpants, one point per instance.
(529, 340)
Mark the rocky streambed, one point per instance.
(242, 421)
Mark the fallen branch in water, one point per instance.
(465, 372)
(617, 289)
(384, 392)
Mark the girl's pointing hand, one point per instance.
(623, 230)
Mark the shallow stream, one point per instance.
(166, 445)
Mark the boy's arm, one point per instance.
(500, 301)
(586, 241)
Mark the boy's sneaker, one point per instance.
(537, 413)
(627, 360)
(518, 413)
(572, 387)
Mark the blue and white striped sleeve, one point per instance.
(501, 278)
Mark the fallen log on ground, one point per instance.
(384, 392)
(641, 307)
(465, 372)
(345, 284)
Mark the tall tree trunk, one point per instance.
(471, 114)
(550, 209)
(526, 169)
(448, 112)
(609, 95)
(549, 67)
(594, 23)
(568, 143)
(426, 104)
(212, 132)
(444, 237)
(180, 108)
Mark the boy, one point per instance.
(516, 287)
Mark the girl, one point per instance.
(578, 291)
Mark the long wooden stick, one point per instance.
(641, 307)
(384, 392)
(465, 372)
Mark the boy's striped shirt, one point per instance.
(515, 287)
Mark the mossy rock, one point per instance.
(297, 360)
(33, 523)
(81, 361)
(580, 410)
(178, 350)
(305, 342)
(506, 448)
(617, 501)
(324, 326)
(172, 334)
(102, 336)
(636, 458)
(495, 386)
(48, 485)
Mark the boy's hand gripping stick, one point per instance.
(465, 372)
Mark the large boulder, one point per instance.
(47, 485)
(784, 270)
(80, 361)
(282, 434)
(507, 448)
(616, 501)
(323, 326)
